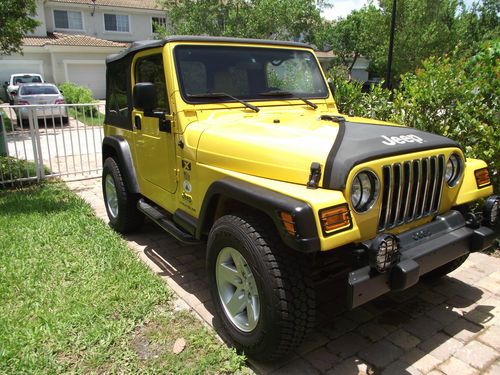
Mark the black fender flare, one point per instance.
(121, 150)
(270, 203)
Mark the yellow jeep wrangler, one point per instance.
(238, 142)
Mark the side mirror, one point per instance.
(6, 83)
(145, 96)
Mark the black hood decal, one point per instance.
(357, 143)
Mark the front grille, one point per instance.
(410, 190)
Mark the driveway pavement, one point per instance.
(448, 327)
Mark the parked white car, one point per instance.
(47, 96)
(12, 86)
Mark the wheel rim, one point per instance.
(111, 196)
(237, 289)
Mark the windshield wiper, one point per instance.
(223, 95)
(287, 93)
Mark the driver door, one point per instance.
(154, 140)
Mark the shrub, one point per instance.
(347, 93)
(452, 95)
(457, 98)
(74, 94)
(14, 169)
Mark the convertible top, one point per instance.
(147, 44)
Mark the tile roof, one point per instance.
(139, 4)
(60, 39)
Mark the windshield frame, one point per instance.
(216, 100)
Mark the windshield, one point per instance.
(26, 79)
(38, 90)
(247, 73)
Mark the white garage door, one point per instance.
(89, 75)
(8, 67)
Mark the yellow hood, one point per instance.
(270, 144)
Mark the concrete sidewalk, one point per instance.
(449, 327)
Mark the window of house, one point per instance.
(64, 19)
(150, 69)
(116, 22)
(157, 22)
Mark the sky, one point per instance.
(342, 8)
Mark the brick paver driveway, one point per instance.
(450, 327)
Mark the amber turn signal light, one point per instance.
(482, 177)
(288, 222)
(335, 218)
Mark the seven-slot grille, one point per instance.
(411, 190)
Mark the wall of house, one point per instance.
(140, 21)
(41, 30)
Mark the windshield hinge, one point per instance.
(314, 176)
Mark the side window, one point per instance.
(150, 69)
(117, 108)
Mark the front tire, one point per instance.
(121, 205)
(261, 290)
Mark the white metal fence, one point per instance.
(46, 141)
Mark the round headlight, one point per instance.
(364, 191)
(454, 169)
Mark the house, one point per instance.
(359, 71)
(75, 36)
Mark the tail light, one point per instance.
(59, 101)
(23, 102)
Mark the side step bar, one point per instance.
(165, 222)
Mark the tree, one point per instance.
(351, 37)
(424, 28)
(478, 24)
(15, 22)
(284, 19)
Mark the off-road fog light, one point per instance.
(384, 252)
(490, 210)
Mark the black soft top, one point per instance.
(147, 44)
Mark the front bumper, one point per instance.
(423, 249)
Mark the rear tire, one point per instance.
(445, 268)
(121, 205)
(286, 305)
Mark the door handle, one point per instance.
(137, 122)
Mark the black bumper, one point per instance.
(423, 249)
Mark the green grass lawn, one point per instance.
(87, 119)
(75, 299)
